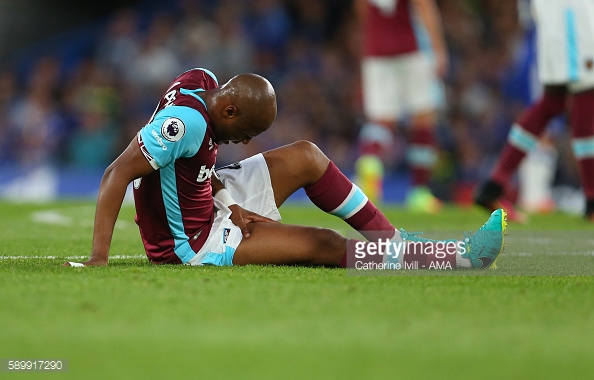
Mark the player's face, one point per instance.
(232, 127)
(237, 132)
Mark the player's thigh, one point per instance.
(249, 183)
(283, 244)
(294, 166)
(263, 182)
(381, 86)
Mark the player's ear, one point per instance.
(229, 112)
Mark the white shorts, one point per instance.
(397, 86)
(565, 42)
(248, 182)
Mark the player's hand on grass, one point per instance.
(241, 217)
(89, 263)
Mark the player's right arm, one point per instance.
(131, 164)
(150, 150)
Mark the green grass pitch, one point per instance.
(532, 318)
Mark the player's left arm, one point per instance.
(429, 13)
(239, 216)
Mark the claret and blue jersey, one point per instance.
(174, 205)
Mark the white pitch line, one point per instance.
(57, 218)
(51, 217)
(121, 257)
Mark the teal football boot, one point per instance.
(481, 248)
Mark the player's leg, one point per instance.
(294, 166)
(375, 141)
(422, 150)
(582, 126)
(422, 156)
(304, 165)
(381, 106)
(536, 174)
(582, 113)
(552, 57)
(423, 96)
(283, 244)
(527, 130)
(522, 138)
(263, 182)
(250, 184)
(298, 245)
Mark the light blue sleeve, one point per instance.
(175, 132)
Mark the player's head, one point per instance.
(243, 108)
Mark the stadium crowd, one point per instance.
(81, 109)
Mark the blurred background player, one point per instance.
(537, 172)
(565, 54)
(400, 80)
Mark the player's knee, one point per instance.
(424, 119)
(311, 158)
(308, 149)
(329, 247)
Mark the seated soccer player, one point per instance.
(190, 213)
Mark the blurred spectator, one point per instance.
(94, 104)
(220, 42)
(37, 126)
(120, 43)
(157, 61)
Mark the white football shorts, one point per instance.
(248, 182)
(397, 86)
(565, 42)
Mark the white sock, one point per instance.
(462, 262)
(396, 239)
